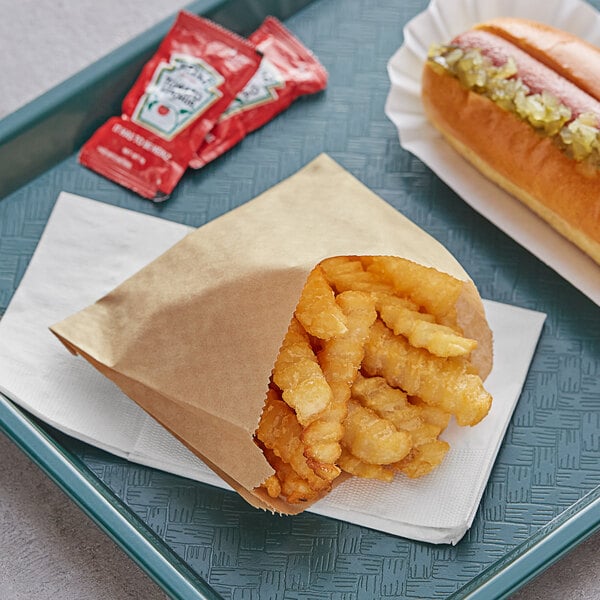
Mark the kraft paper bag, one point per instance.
(193, 336)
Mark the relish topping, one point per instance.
(578, 137)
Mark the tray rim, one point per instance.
(154, 556)
(501, 579)
(96, 500)
(539, 552)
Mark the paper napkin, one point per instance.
(88, 248)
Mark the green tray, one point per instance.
(196, 541)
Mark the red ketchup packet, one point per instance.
(288, 70)
(178, 97)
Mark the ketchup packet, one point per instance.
(178, 97)
(288, 70)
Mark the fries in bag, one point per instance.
(310, 335)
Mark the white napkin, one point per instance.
(439, 23)
(88, 248)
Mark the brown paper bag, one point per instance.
(193, 336)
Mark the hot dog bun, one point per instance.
(572, 58)
(524, 160)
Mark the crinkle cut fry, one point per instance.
(298, 374)
(374, 439)
(431, 414)
(399, 313)
(442, 382)
(346, 273)
(434, 291)
(340, 358)
(317, 310)
(279, 431)
(421, 330)
(423, 422)
(286, 482)
(386, 401)
(355, 466)
(272, 484)
(423, 459)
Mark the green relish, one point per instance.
(579, 138)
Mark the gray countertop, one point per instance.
(48, 547)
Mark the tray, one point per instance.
(200, 542)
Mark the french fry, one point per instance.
(421, 330)
(340, 358)
(322, 441)
(431, 414)
(347, 273)
(272, 483)
(280, 432)
(286, 482)
(423, 422)
(389, 403)
(423, 459)
(442, 382)
(429, 288)
(439, 339)
(317, 310)
(373, 439)
(355, 466)
(299, 376)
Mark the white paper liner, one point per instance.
(78, 261)
(439, 23)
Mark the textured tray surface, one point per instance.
(550, 458)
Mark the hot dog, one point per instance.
(521, 102)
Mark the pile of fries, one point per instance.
(371, 370)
